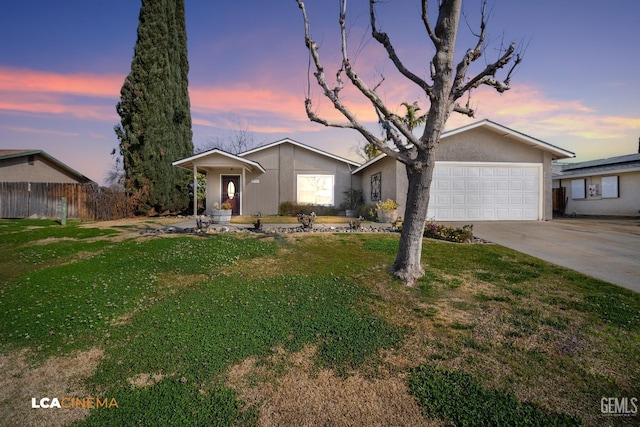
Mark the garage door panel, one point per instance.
(472, 199)
(502, 185)
(488, 199)
(488, 214)
(502, 199)
(516, 185)
(516, 199)
(485, 192)
(443, 184)
(443, 199)
(473, 185)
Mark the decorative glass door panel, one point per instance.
(231, 192)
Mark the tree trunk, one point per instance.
(407, 266)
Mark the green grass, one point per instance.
(66, 306)
(458, 398)
(490, 336)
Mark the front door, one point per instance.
(231, 192)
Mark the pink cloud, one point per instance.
(24, 129)
(58, 108)
(82, 84)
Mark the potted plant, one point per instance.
(352, 200)
(387, 211)
(221, 214)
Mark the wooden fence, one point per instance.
(43, 199)
(559, 200)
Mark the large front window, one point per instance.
(315, 189)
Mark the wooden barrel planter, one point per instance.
(220, 216)
(387, 215)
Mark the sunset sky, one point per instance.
(62, 64)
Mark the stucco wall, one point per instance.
(387, 167)
(18, 169)
(283, 163)
(482, 145)
(628, 204)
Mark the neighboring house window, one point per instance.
(578, 189)
(610, 187)
(315, 189)
(376, 185)
(30, 160)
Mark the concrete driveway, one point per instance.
(608, 249)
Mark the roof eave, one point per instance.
(301, 145)
(559, 153)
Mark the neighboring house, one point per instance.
(33, 183)
(484, 171)
(36, 166)
(600, 187)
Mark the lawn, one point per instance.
(304, 329)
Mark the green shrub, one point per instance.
(462, 234)
(295, 209)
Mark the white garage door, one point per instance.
(485, 192)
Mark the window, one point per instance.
(578, 189)
(376, 181)
(31, 160)
(610, 187)
(315, 189)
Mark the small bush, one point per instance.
(450, 234)
(295, 209)
(368, 212)
(387, 205)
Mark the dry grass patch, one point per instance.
(139, 222)
(145, 380)
(55, 377)
(263, 267)
(304, 395)
(173, 282)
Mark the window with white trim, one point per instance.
(610, 187)
(315, 189)
(578, 189)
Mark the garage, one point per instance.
(485, 192)
(483, 172)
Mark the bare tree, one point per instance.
(238, 140)
(447, 84)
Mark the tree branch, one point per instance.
(384, 40)
(427, 24)
(333, 94)
(472, 54)
(487, 76)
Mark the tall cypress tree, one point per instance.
(154, 109)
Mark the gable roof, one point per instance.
(16, 153)
(618, 164)
(301, 145)
(513, 134)
(187, 163)
(557, 152)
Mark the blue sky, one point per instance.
(62, 64)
